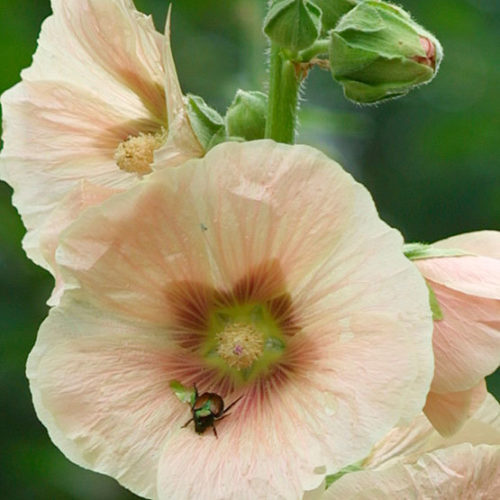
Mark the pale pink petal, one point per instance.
(449, 411)
(84, 195)
(459, 472)
(127, 253)
(106, 47)
(478, 276)
(466, 341)
(53, 138)
(486, 243)
(100, 384)
(420, 437)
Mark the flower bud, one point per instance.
(293, 24)
(246, 117)
(377, 52)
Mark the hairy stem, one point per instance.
(283, 98)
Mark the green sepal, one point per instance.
(185, 394)
(333, 10)
(206, 122)
(346, 470)
(246, 116)
(377, 52)
(416, 251)
(437, 314)
(293, 24)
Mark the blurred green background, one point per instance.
(431, 161)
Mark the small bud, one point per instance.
(293, 24)
(378, 52)
(246, 117)
(333, 10)
(208, 125)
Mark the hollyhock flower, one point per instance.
(260, 272)
(467, 337)
(99, 98)
(416, 462)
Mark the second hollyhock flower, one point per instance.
(99, 101)
(464, 275)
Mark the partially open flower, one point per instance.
(260, 272)
(467, 335)
(416, 462)
(100, 98)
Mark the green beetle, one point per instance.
(206, 408)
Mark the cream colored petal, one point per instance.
(182, 143)
(315, 494)
(419, 437)
(54, 137)
(128, 252)
(265, 449)
(100, 385)
(466, 341)
(449, 411)
(363, 291)
(107, 48)
(485, 243)
(463, 471)
(83, 196)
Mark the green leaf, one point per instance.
(293, 24)
(437, 314)
(346, 470)
(206, 122)
(416, 251)
(185, 394)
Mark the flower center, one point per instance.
(136, 154)
(243, 341)
(240, 344)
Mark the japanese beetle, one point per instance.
(207, 409)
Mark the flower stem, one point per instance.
(283, 98)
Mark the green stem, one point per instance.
(275, 64)
(283, 98)
(317, 48)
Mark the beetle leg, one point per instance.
(215, 431)
(231, 405)
(195, 392)
(186, 424)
